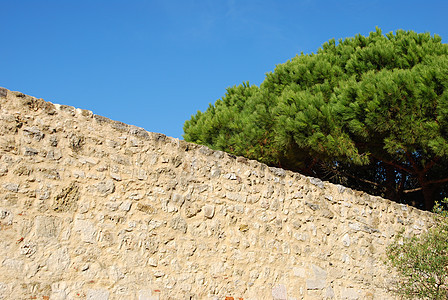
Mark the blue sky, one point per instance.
(155, 63)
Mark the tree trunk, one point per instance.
(391, 183)
(428, 196)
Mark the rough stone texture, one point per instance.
(91, 208)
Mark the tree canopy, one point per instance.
(370, 112)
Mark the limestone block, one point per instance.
(101, 294)
(146, 208)
(34, 133)
(126, 205)
(178, 223)
(106, 187)
(58, 261)
(147, 295)
(47, 226)
(299, 272)
(86, 229)
(349, 294)
(3, 170)
(3, 286)
(346, 240)
(12, 187)
(329, 293)
(209, 211)
(67, 199)
(279, 292)
(315, 284)
(215, 172)
(191, 209)
(28, 248)
(14, 265)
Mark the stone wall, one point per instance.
(92, 208)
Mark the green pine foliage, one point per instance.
(370, 112)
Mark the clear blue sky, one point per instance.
(155, 63)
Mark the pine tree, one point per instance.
(370, 112)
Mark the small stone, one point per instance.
(142, 175)
(58, 261)
(158, 274)
(209, 211)
(3, 170)
(30, 151)
(86, 229)
(126, 206)
(317, 182)
(313, 206)
(191, 209)
(97, 295)
(54, 154)
(231, 176)
(106, 187)
(152, 262)
(326, 213)
(28, 249)
(178, 223)
(299, 272)
(33, 132)
(315, 284)
(279, 292)
(177, 199)
(146, 208)
(346, 240)
(345, 258)
(146, 295)
(215, 172)
(329, 293)
(349, 293)
(12, 187)
(278, 171)
(244, 227)
(115, 176)
(79, 174)
(319, 273)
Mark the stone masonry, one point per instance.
(92, 208)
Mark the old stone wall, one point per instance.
(92, 208)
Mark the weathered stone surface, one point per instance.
(33, 132)
(178, 223)
(12, 187)
(146, 208)
(279, 292)
(346, 240)
(97, 294)
(191, 209)
(106, 187)
(58, 261)
(209, 211)
(91, 208)
(67, 199)
(315, 284)
(329, 293)
(349, 294)
(47, 226)
(3, 92)
(87, 230)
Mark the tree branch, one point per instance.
(437, 181)
(409, 171)
(430, 164)
(413, 163)
(413, 190)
